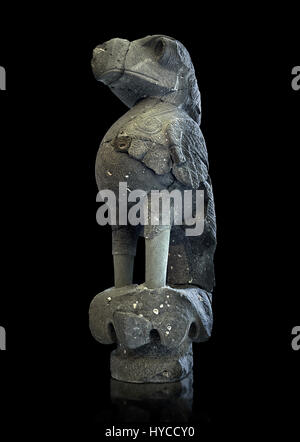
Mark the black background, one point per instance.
(57, 258)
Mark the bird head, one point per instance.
(156, 66)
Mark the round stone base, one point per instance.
(153, 329)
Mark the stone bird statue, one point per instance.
(156, 145)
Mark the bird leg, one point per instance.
(157, 250)
(124, 242)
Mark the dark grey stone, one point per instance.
(153, 329)
(156, 145)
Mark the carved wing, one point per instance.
(188, 152)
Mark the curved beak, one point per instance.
(108, 61)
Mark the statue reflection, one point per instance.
(166, 402)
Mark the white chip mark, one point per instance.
(167, 332)
(109, 299)
(161, 305)
(140, 315)
(169, 327)
(109, 173)
(134, 305)
(155, 311)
